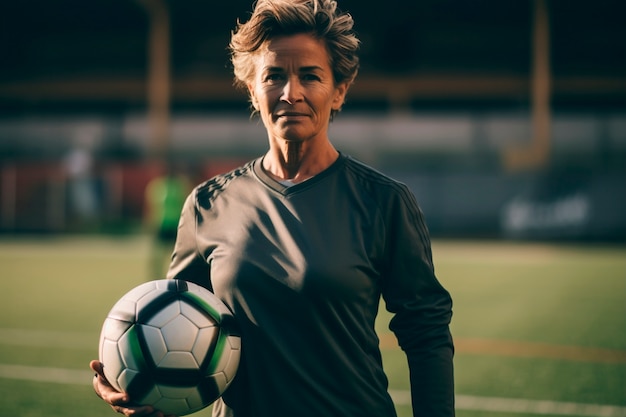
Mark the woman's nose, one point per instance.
(292, 91)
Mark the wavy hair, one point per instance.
(319, 18)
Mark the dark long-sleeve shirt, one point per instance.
(303, 268)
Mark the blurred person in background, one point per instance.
(83, 194)
(302, 242)
(164, 198)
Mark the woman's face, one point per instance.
(293, 88)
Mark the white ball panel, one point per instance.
(125, 309)
(177, 407)
(113, 329)
(227, 361)
(126, 377)
(234, 342)
(180, 360)
(196, 317)
(175, 400)
(148, 298)
(194, 399)
(213, 300)
(165, 315)
(162, 284)
(155, 343)
(113, 364)
(206, 338)
(220, 380)
(140, 291)
(231, 364)
(127, 352)
(179, 334)
(168, 391)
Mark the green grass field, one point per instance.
(540, 329)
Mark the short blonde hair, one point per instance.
(272, 18)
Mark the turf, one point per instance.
(56, 291)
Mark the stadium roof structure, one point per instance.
(69, 55)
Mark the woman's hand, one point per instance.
(119, 401)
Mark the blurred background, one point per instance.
(506, 118)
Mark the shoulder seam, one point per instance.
(208, 190)
(400, 188)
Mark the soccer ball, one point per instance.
(171, 344)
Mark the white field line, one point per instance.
(400, 397)
(49, 338)
(518, 405)
(539, 407)
(45, 374)
(78, 340)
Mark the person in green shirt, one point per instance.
(164, 198)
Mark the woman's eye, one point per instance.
(310, 77)
(273, 78)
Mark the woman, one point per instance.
(302, 242)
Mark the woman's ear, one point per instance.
(340, 96)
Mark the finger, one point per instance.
(96, 366)
(119, 401)
(113, 397)
(138, 411)
(104, 389)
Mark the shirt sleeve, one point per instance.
(187, 262)
(422, 308)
